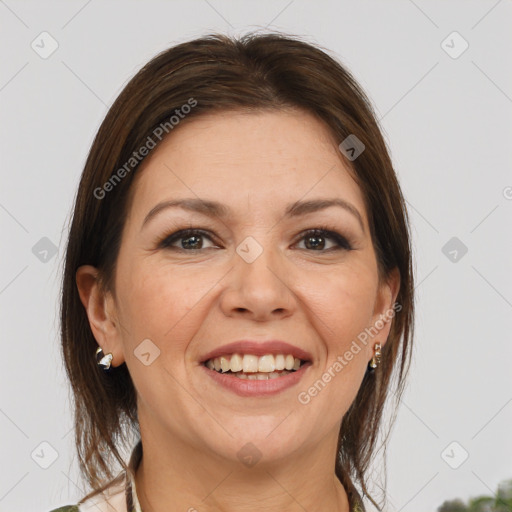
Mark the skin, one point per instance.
(188, 303)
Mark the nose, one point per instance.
(259, 289)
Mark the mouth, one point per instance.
(254, 367)
(256, 360)
(252, 375)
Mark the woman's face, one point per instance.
(251, 273)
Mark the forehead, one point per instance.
(263, 159)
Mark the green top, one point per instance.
(121, 495)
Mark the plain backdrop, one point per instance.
(439, 76)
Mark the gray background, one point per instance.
(448, 123)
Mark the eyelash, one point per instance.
(322, 231)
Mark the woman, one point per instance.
(238, 285)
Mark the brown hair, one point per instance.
(216, 73)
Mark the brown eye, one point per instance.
(190, 240)
(315, 240)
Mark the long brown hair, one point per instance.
(216, 73)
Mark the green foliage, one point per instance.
(453, 506)
(500, 502)
(481, 504)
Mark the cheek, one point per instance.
(343, 306)
(350, 316)
(159, 302)
(343, 311)
(344, 301)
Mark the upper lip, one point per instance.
(258, 348)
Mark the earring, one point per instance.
(103, 360)
(376, 358)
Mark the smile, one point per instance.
(249, 364)
(250, 375)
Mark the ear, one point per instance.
(100, 308)
(385, 306)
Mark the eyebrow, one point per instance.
(216, 209)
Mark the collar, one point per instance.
(121, 494)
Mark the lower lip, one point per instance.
(245, 387)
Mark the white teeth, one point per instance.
(236, 363)
(249, 363)
(224, 364)
(280, 362)
(260, 376)
(266, 363)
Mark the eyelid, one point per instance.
(342, 242)
(184, 233)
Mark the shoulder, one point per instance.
(111, 499)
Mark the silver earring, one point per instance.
(103, 360)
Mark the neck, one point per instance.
(179, 477)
